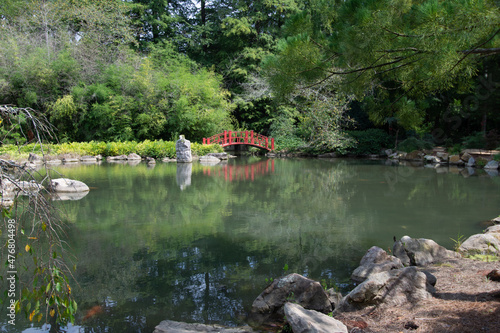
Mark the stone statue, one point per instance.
(183, 150)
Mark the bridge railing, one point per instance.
(228, 138)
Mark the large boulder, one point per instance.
(493, 165)
(65, 185)
(169, 326)
(116, 158)
(421, 251)
(268, 306)
(133, 157)
(220, 156)
(481, 244)
(310, 321)
(395, 287)
(183, 150)
(209, 160)
(88, 159)
(494, 229)
(455, 159)
(374, 261)
(465, 157)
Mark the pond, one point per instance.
(198, 243)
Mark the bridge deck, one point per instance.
(229, 138)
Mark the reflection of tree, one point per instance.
(148, 250)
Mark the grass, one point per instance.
(484, 257)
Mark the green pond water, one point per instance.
(198, 243)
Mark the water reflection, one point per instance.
(194, 243)
(184, 171)
(237, 172)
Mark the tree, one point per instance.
(38, 272)
(396, 51)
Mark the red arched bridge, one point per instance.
(229, 138)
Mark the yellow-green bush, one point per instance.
(146, 148)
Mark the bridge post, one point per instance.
(230, 137)
(204, 141)
(251, 134)
(246, 137)
(272, 143)
(267, 143)
(225, 137)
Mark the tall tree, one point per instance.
(397, 51)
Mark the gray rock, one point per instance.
(133, 156)
(421, 251)
(169, 326)
(334, 297)
(395, 287)
(65, 185)
(150, 160)
(220, 156)
(293, 287)
(465, 157)
(491, 165)
(471, 162)
(183, 150)
(493, 229)
(455, 159)
(117, 158)
(168, 160)
(432, 159)
(70, 160)
(310, 321)
(53, 162)
(209, 160)
(481, 243)
(442, 156)
(88, 159)
(34, 158)
(374, 261)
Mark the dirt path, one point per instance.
(465, 301)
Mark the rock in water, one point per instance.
(183, 150)
(310, 321)
(169, 326)
(68, 185)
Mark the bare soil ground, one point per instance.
(465, 301)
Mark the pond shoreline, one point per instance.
(471, 280)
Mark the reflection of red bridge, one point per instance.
(241, 172)
(229, 138)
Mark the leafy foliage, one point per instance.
(413, 143)
(394, 53)
(371, 141)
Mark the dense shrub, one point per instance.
(371, 141)
(413, 143)
(476, 140)
(146, 148)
